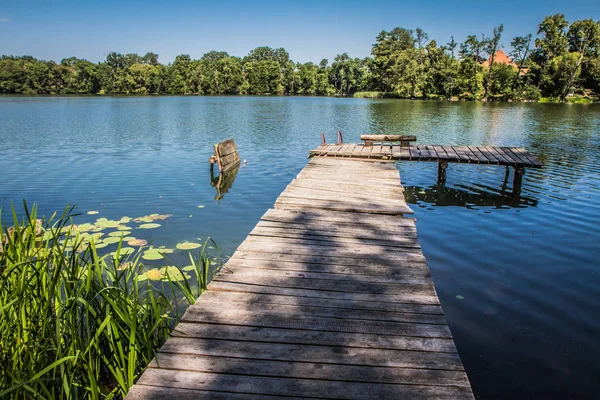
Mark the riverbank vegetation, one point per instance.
(562, 61)
(74, 324)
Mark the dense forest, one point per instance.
(562, 62)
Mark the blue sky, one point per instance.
(309, 30)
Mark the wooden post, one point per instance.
(323, 142)
(506, 173)
(404, 143)
(212, 160)
(442, 165)
(518, 178)
(340, 139)
(368, 143)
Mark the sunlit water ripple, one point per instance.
(526, 265)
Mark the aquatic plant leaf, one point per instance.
(188, 245)
(189, 268)
(118, 234)
(92, 212)
(128, 238)
(148, 226)
(174, 273)
(123, 228)
(124, 251)
(125, 220)
(137, 242)
(152, 254)
(458, 296)
(201, 206)
(112, 240)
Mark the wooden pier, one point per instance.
(329, 297)
(516, 157)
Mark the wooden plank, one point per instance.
(291, 387)
(442, 155)
(488, 154)
(389, 138)
(325, 229)
(452, 155)
(508, 156)
(524, 153)
(463, 156)
(334, 217)
(311, 268)
(415, 154)
(297, 203)
(319, 354)
(244, 314)
(424, 152)
(402, 153)
(151, 392)
(522, 160)
(482, 158)
(499, 155)
(310, 370)
(324, 295)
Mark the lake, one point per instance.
(518, 275)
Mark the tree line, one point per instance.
(562, 61)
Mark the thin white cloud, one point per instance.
(4, 19)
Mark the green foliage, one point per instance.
(562, 62)
(77, 325)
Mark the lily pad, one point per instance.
(152, 254)
(128, 238)
(123, 228)
(92, 212)
(165, 273)
(101, 245)
(152, 217)
(124, 251)
(125, 265)
(143, 219)
(119, 234)
(125, 220)
(188, 246)
(201, 206)
(149, 226)
(458, 296)
(165, 250)
(106, 223)
(189, 268)
(112, 240)
(137, 242)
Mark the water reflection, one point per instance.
(224, 181)
(467, 196)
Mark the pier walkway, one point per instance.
(328, 297)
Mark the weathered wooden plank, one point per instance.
(499, 155)
(261, 277)
(402, 241)
(309, 353)
(244, 314)
(364, 198)
(151, 392)
(266, 300)
(488, 154)
(297, 203)
(332, 216)
(322, 294)
(452, 155)
(522, 160)
(334, 231)
(441, 153)
(292, 387)
(368, 272)
(348, 187)
(414, 153)
(389, 138)
(408, 260)
(534, 161)
(352, 373)
(508, 156)
(480, 156)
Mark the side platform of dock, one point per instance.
(329, 297)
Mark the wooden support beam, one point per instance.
(442, 166)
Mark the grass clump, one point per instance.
(74, 324)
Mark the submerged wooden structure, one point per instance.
(226, 156)
(328, 297)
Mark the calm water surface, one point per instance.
(526, 265)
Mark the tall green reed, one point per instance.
(74, 324)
